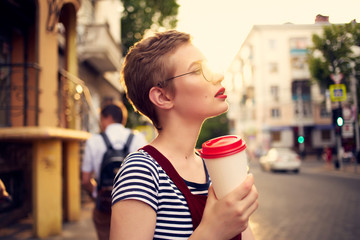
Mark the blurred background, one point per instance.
(292, 72)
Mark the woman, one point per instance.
(166, 79)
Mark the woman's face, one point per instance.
(194, 95)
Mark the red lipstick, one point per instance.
(220, 93)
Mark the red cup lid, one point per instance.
(222, 147)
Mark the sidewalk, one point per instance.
(349, 170)
(80, 230)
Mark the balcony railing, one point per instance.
(19, 103)
(97, 47)
(75, 105)
(19, 94)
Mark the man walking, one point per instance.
(111, 119)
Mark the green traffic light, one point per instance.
(301, 139)
(340, 121)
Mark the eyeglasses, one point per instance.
(201, 69)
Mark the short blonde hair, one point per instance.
(146, 65)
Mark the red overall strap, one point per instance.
(196, 203)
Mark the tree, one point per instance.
(141, 15)
(333, 53)
(337, 51)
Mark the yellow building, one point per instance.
(41, 113)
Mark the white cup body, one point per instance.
(227, 173)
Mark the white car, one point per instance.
(281, 159)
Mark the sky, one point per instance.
(219, 27)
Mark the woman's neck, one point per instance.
(177, 144)
(177, 139)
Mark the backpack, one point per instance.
(111, 162)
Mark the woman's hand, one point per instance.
(229, 216)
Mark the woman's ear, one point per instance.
(160, 98)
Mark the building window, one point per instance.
(274, 92)
(301, 89)
(276, 136)
(325, 135)
(303, 110)
(298, 46)
(324, 113)
(275, 113)
(299, 63)
(301, 95)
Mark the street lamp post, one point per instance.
(339, 150)
(356, 51)
(301, 139)
(356, 113)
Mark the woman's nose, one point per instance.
(218, 78)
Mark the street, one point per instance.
(311, 205)
(316, 204)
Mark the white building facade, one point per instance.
(274, 100)
(100, 53)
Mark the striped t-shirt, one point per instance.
(142, 178)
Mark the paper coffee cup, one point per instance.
(226, 161)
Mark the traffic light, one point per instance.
(301, 139)
(340, 121)
(337, 118)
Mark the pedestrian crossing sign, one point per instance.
(337, 92)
